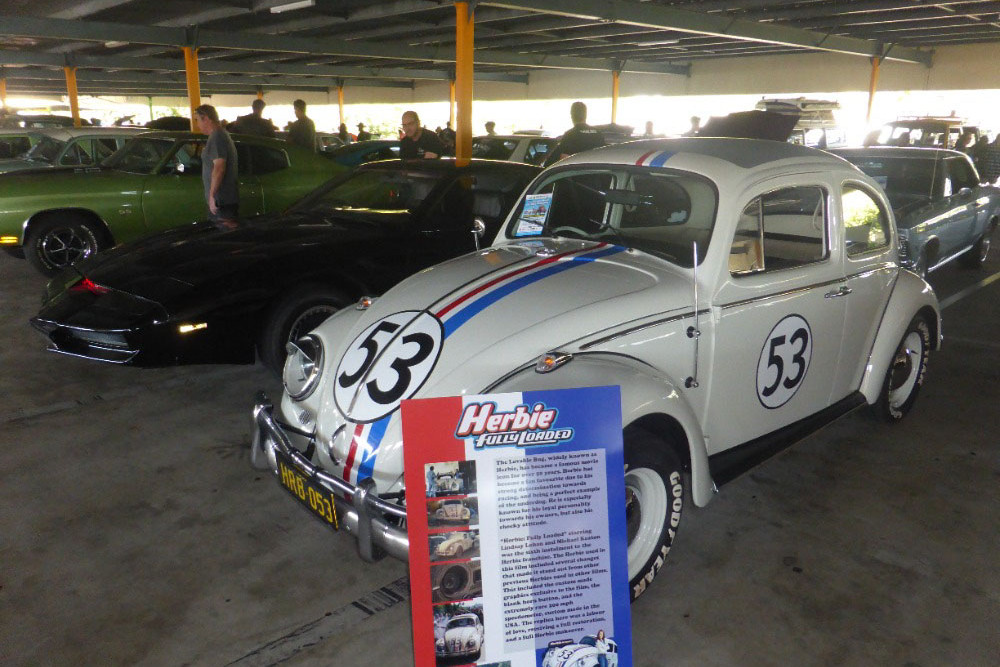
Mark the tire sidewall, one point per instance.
(643, 450)
(892, 413)
(39, 233)
(278, 324)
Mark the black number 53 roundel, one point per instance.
(387, 363)
(784, 361)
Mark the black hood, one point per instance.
(164, 265)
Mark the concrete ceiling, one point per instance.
(133, 46)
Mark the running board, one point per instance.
(730, 464)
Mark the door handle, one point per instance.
(843, 291)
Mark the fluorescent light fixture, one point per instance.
(188, 328)
(115, 44)
(289, 6)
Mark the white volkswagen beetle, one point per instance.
(462, 637)
(740, 292)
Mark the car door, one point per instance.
(175, 195)
(777, 330)
(869, 271)
(253, 160)
(960, 193)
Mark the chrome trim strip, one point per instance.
(361, 511)
(641, 327)
(806, 288)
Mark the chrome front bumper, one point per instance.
(359, 509)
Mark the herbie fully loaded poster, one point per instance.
(518, 544)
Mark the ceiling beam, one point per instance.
(99, 31)
(670, 18)
(55, 60)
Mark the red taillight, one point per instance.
(88, 285)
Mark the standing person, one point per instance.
(581, 137)
(219, 168)
(695, 127)
(432, 483)
(417, 141)
(343, 134)
(649, 130)
(302, 132)
(491, 128)
(363, 134)
(254, 122)
(447, 137)
(601, 644)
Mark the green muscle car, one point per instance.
(54, 217)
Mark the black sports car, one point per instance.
(199, 294)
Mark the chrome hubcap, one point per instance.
(64, 245)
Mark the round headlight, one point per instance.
(303, 366)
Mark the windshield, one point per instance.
(46, 150)
(493, 148)
(374, 190)
(904, 179)
(657, 211)
(140, 156)
(462, 623)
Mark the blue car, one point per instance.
(352, 155)
(942, 210)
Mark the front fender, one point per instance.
(645, 393)
(911, 295)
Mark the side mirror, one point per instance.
(478, 230)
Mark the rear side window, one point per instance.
(780, 230)
(267, 160)
(866, 225)
(960, 175)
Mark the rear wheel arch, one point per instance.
(100, 227)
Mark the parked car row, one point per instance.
(740, 292)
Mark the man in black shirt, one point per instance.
(581, 137)
(363, 134)
(418, 142)
(253, 123)
(302, 132)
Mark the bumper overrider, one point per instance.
(360, 510)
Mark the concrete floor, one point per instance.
(133, 532)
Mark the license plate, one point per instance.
(318, 500)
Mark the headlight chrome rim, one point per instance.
(305, 358)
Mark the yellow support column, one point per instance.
(340, 102)
(872, 86)
(74, 103)
(260, 93)
(451, 102)
(193, 84)
(3, 91)
(464, 24)
(614, 96)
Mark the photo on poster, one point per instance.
(455, 581)
(596, 650)
(453, 512)
(450, 478)
(459, 633)
(454, 545)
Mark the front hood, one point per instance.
(201, 254)
(489, 314)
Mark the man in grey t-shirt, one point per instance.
(219, 168)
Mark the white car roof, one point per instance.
(706, 155)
